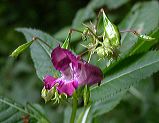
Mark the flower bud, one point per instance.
(101, 52)
(47, 94)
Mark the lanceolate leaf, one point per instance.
(38, 112)
(125, 77)
(88, 12)
(100, 108)
(11, 112)
(143, 18)
(125, 73)
(40, 52)
(142, 46)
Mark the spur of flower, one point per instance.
(75, 72)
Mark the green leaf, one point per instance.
(119, 78)
(88, 12)
(40, 53)
(83, 117)
(12, 112)
(67, 114)
(38, 112)
(125, 74)
(146, 90)
(21, 49)
(62, 34)
(82, 15)
(134, 20)
(142, 45)
(143, 18)
(107, 105)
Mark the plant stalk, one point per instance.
(42, 41)
(74, 108)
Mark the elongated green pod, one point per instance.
(21, 49)
(146, 37)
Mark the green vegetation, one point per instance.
(129, 92)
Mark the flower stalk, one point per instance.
(42, 41)
(74, 108)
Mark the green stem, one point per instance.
(74, 108)
(87, 51)
(90, 30)
(130, 30)
(75, 30)
(37, 38)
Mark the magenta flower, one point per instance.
(75, 72)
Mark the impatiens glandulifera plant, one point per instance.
(103, 39)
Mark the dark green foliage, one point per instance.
(40, 52)
(12, 112)
(129, 92)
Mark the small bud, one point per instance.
(84, 34)
(47, 94)
(101, 52)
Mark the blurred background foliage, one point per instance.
(18, 79)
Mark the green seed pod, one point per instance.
(109, 30)
(20, 49)
(145, 37)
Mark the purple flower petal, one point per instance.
(74, 72)
(49, 82)
(88, 74)
(94, 74)
(61, 58)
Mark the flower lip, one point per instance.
(67, 88)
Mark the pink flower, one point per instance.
(74, 72)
